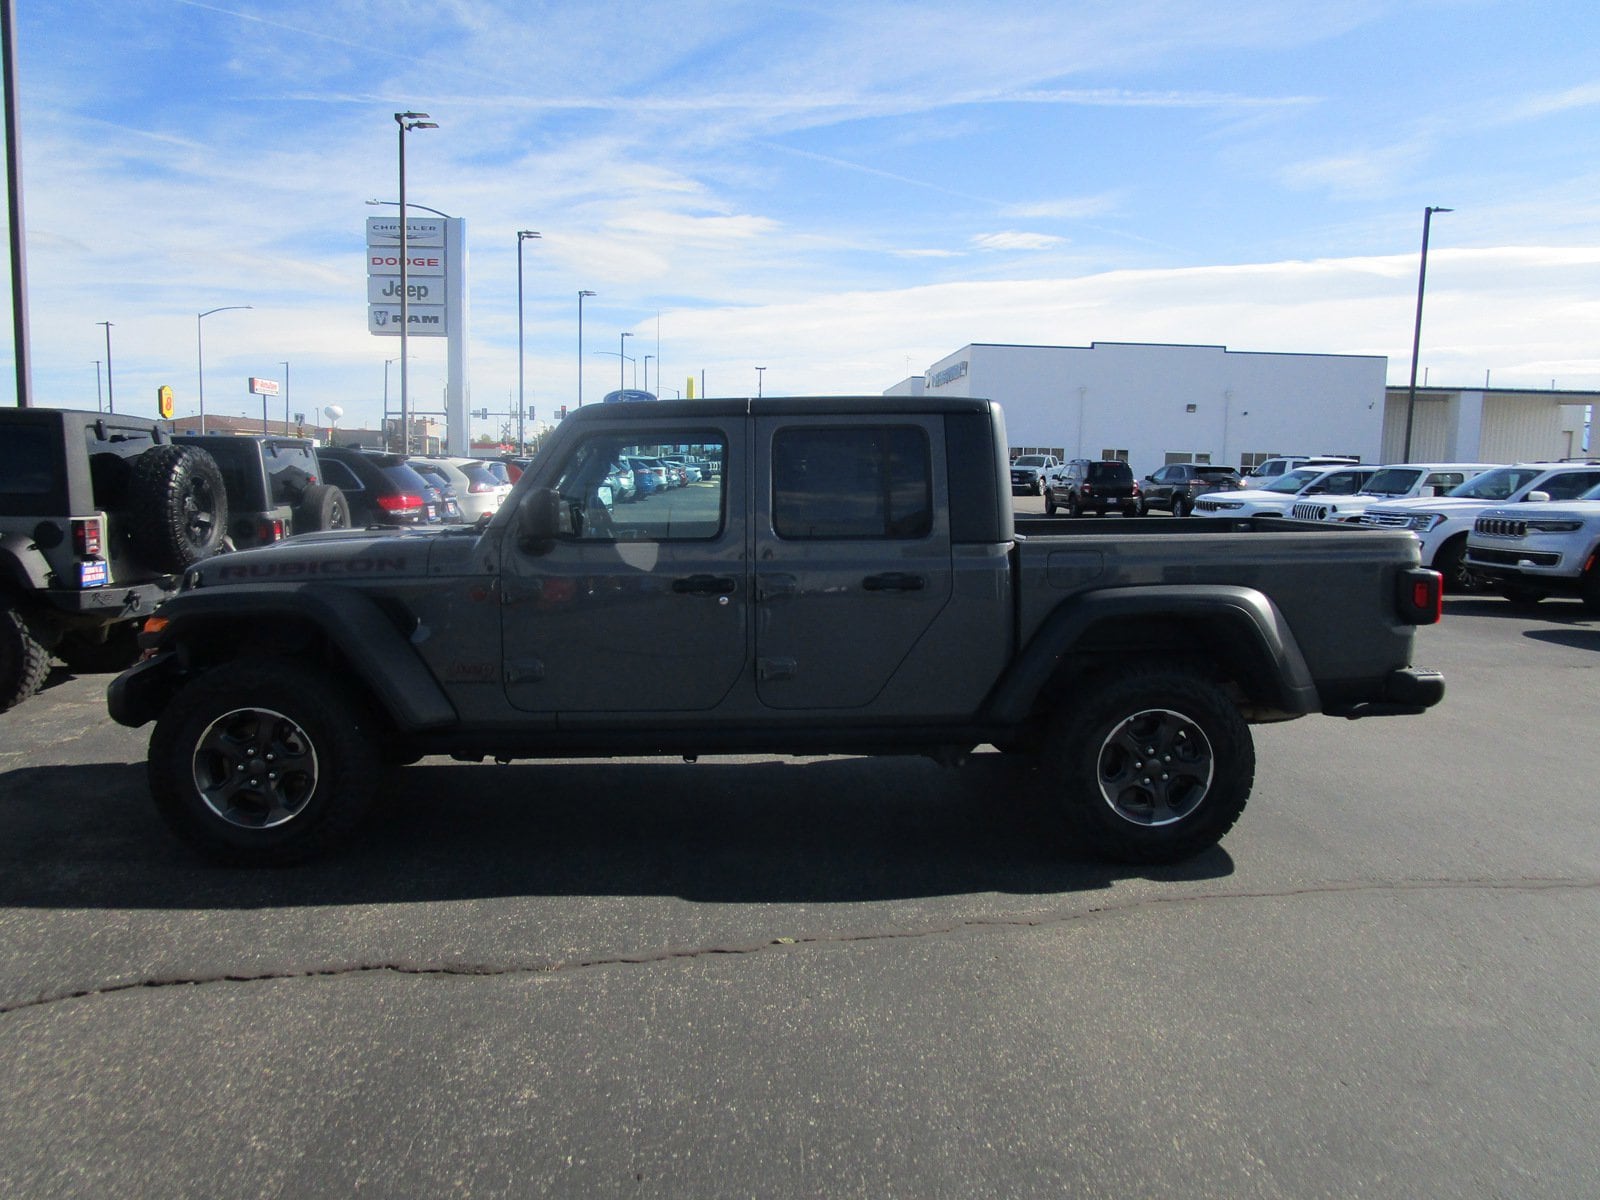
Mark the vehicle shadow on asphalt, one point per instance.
(789, 831)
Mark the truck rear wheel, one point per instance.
(24, 662)
(264, 762)
(1151, 766)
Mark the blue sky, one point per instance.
(841, 193)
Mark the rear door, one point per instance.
(852, 553)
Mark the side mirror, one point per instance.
(541, 519)
(1538, 497)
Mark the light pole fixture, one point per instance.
(522, 404)
(1416, 335)
(647, 359)
(99, 392)
(622, 360)
(111, 395)
(199, 356)
(407, 121)
(760, 376)
(581, 295)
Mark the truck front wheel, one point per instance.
(1151, 766)
(264, 762)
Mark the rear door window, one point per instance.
(852, 482)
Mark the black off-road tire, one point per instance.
(265, 762)
(179, 506)
(1049, 502)
(87, 656)
(1074, 508)
(323, 506)
(1589, 590)
(1451, 562)
(24, 662)
(1180, 506)
(1153, 764)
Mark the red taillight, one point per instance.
(271, 530)
(401, 505)
(1087, 489)
(478, 487)
(86, 537)
(1421, 596)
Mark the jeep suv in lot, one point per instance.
(1401, 482)
(1539, 549)
(275, 487)
(1279, 496)
(1443, 522)
(1176, 486)
(1097, 486)
(382, 489)
(99, 516)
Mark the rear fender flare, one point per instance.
(1264, 648)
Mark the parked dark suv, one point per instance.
(275, 487)
(1087, 485)
(381, 488)
(1175, 486)
(99, 516)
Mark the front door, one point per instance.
(852, 553)
(643, 604)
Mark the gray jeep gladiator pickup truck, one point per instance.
(853, 581)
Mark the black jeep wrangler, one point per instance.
(275, 487)
(100, 514)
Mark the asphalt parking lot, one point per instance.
(839, 977)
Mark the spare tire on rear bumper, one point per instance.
(180, 508)
(322, 506)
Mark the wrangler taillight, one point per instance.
(271, 530)
(86, 537)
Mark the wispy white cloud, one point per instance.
(1013, 239)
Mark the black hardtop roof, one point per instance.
(782, 406)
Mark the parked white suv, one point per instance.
(1443, 522)
(1399, 482)
(1279, 496)
(1030, 473)
(1539, 549)
(1265, 472)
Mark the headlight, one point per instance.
(1427, 522)
(1554, 526)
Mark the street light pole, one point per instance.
(111, 395)
(647, 359)
(285, 399)
(522, 403)
(622, 360)
(1416, 335)
(199, 356)
(760, 376)
(581, 295)
(99, 393)
(406, 121)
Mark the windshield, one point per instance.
(1393, 481)
(1293, 481)
(1498, 484)
(1030, 460)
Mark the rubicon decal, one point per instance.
(233, 572)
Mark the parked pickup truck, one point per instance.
(854, 582)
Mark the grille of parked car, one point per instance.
(1501, 526)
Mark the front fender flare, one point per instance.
(365, 634)
(1249, 618)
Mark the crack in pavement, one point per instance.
(667, 954)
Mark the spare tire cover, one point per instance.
(180, 508)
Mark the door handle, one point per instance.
(894, 581)
(703, 585)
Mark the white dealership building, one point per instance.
(1156, 404)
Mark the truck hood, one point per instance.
(344, 554)
(1439, 504)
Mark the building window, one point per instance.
(1249, 462)
(1108, 455)
(1177, 456)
